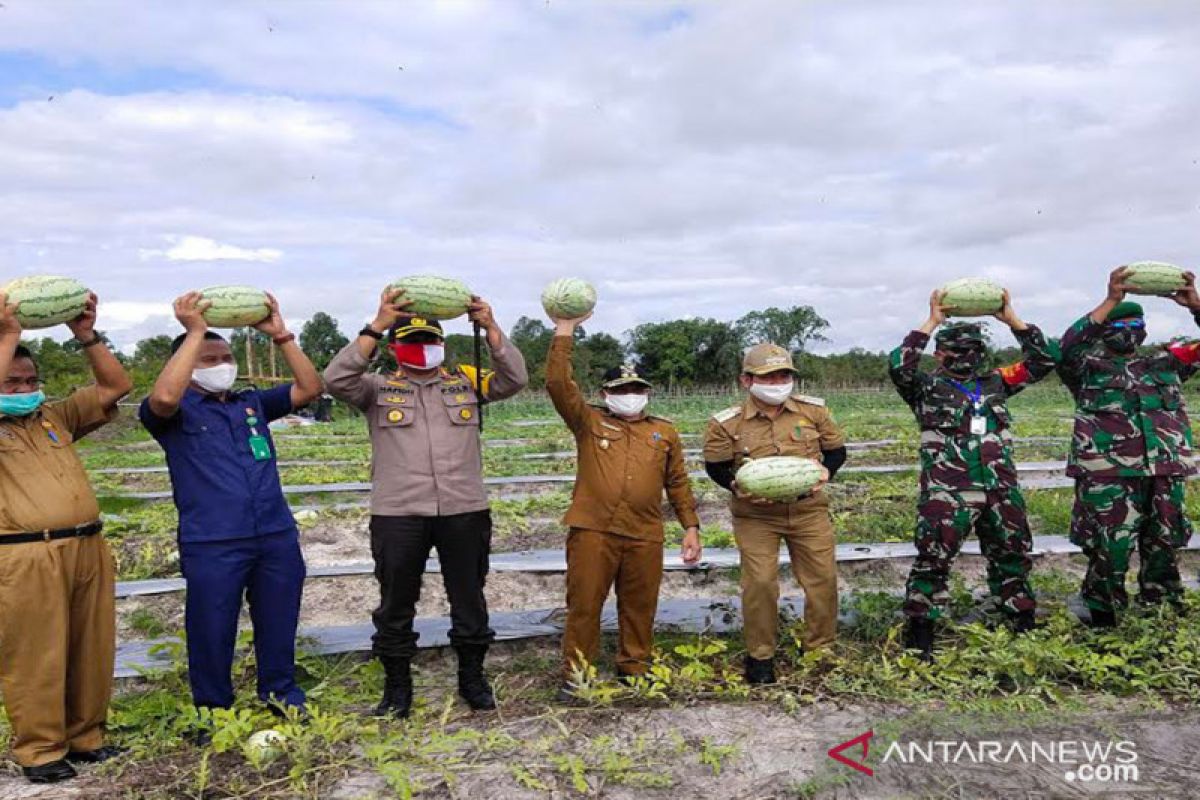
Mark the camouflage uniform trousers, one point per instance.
(1114, 514)
(944, 519)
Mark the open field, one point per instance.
(695, 730)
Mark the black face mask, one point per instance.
(1124, 341)
(962, 364)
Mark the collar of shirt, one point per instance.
(437, 377)
(751, 409)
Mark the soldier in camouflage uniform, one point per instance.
(968, 478)
(1132, 449)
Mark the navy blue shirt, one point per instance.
(220, 490)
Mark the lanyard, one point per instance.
(975, 394)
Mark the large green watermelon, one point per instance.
(235, 306)
(46, 300)
(568, 298)
(1154, 277)
(434, 297)
(972, 297)
(779, 478)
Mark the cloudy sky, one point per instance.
(688, 158)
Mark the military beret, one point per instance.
(1126, 309)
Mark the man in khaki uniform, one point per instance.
(773, 421)
(427, 484)
(57, 616)
(626, 460)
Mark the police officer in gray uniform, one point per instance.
(427, 484)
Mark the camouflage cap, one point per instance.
(960, 336)
(767, 357)
(1124, 310)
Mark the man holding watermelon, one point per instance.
(237, 536)
(627, 460)
(1132, 449)
(57, 614)
(968, 478)
(775, 420)
(427, 482)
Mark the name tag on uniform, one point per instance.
(978, 425)
(260, 448)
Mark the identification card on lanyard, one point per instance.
(978, 425)
(260, 448)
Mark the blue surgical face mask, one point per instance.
(21, 405)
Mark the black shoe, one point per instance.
(472, 683)
(759, 671)
(97, 756)
(1024, 622)
(397, 689)
(919, 637)
(53, 772)
(1103, 619)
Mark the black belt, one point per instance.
(90, 529)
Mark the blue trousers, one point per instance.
(269, 571)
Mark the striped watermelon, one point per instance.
(434, 297)
(1154, 277)
(779, 478)
(235, 306)
(46, 300)
(972, 297)
(568, 298)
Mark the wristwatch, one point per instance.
(95, 340)
(369, 331)
(280, 341)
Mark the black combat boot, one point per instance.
(1103, 619)
(397, 689)
(1023, 622)
(472, 683)
(919, 637)
(759, 671)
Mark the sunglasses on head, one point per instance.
(1128, 323)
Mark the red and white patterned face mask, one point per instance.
(419, 356)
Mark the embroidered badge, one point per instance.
(395, 415)
(465, 413)
(604, 444)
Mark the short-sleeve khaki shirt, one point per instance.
(43, 485)
(803, 428)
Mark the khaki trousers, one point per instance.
(808, 533)
(595, 562)
(57, 645)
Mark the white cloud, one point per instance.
(845, 154)
(200, 248)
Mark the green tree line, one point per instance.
(680, 354)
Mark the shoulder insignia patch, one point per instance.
(727, 414)
(808, 398)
